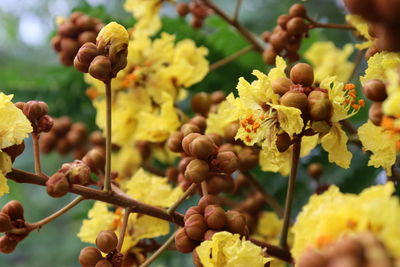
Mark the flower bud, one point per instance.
(375, 90)
(57, 185)
(106, 241)
(371, 51)
(208, 200)
(172, 174)
(85, 22)
(303, 74)
(87, 37)
(218, 96)
(296, 26)
(235, 222)
(89, 256)
(283, 142)
(200, 122)
(209, 234)
(216, 138)
(7, 245)
(33, 110)
(248, 158)
(182, 9)
(295, 99)
(86, 54)
(202, 147)
(63, 146)
(279, 40)
(312, 258)
(79, 173)
(196, 171)
(216, 185)
(282, 20)
(298, 10)
(15, 150)
(100, 68)
(315, 170)
(319, 106)
(191, 211)
(95, 159)
(70, 47)
(215, 217)
(68, 29)
(103, 263)
(195, 227)
(189, 128)
(375, 113)
(184, 163)
(196, 22)
(5, 222)
(14, 210)
(44, 124)
(188, 140)
(226, 161)
(97, 139)
(183, 242)
(56, 43)
(77, 135)
(269, 55)
(201, 103)
(281, 85)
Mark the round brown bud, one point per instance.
(79, 173)
(283, 142)
(7, 245)
(87, 37)
(375, 90)
(279, 40)
(188, 140)
(347, 261)
(70, 47)
(5, 222)
(100, 68)
(62, 125)
(45, 123)
(103, 263)
(183, 242)
(89, 256)
(248, 158)
(295, 99)
(196, 171)
(95, 159)
(63, 146)
(184, 163)
(87, 53)
(298, 10)
(201, 103)
(302, 73)
(77, 135)
(202, 147)
(14, 210)
(265, 36)
(200, 122)
(106, 241)
(172, 174)
(235, 222)
(226, 147)
(312, 258)
(68, 29)
(57, 185)
(230, 131)
(97, 139)
(216, 138)
(215, 217)
(209, 234)
(319, 106)
(75, 15)
(47, 142)
(15, 150)
(282, 20)
(269, 55)
(375, 113)
(217, 184)
(208, 200)
(182, 9)
(56, 43)
(195, 227)
(191, 211)
(198, 9)
(226, 161)
(33, 110)
(196, 22)
(315, 170)
(218, 96)
(281, 85)
(174, 142)
(189, 128)
(20, 105)
(371, 51)
(85, 23)
(296, 26)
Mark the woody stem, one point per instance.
(107, 178)
(36, 153)
(123, 229)
(156, 254)
(187, 193)
(230, 58)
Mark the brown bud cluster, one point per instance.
(205, 219)
(361, 250)
(203, 103)
(251, 208)
(36, 112)
(198, 10)
(375, 90)
(65, 137)
(382, 17)
(75, 31)
(285, 39)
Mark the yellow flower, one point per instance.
(217, 121)
(5, 167)
(328, 60)
(379, 64)
(381, 143)
(362, 27)
(114, 34)
(328, 217)
(391, 105)
(228, 250)
(126, 161)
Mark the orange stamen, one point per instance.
(361, 102)
(349, 86)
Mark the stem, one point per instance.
(244, 32)
(270, 200)
(150, 168)
(57, 214)
(204, 189)
(123, 229)
(36, 153)
(159, 251)
(187, 193)
(237, 9)
(230, 58)
(357, 61)
(290, 190)
(274, 251)
(107, 178)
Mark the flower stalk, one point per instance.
(107, 177)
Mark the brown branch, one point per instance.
(237, 9)
(156, 254)
(107, 177)
(274, 251)
(230, 58)
(123, 229)
(36, 153)
(187, 193)
(315, 24)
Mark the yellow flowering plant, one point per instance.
(183, 161)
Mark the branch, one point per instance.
(230, 58)
(36, 153)
(156, 254)
(237, 9)
(274, 251)
(107, 178)
(123, 229)
(187, 193)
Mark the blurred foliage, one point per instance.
(32, 72)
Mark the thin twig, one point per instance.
(237, 10)
(274, 251)
(290, 191)
(156, 254)
(187, 193)
(357, 61)
(123, 229)
(230, 58)
(332, 26)
(204, 188)
(107, 178)
(36, 153)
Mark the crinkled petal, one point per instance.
(335, 143)
(289, 119)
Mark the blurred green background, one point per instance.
(29, 69)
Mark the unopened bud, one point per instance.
(57, 185)
(269, 55)
(279, 40)
(296, 100)
(200, 122)
(208, 200)
(5, 222)
(45, 123)
(191, 211)
(94, 159)
(189, 128)
(68, 29)
(283, 142)
(15, 150)
(33, 110)
(195, 227)
(298, 10)
(209, 234)
(375, 113)
(248, 158)
(218, 96)
(14, 210)
(188, 140)
(282, 20)
(103, 263)
(79, 173)
(302, 73)
(196, 171)
(97, 139)
(375, 90)
(215, 217)
(47, 142)
(265, 36)
(182, 9)
(216, 138)
(312, 258)
(62, 125)
(319, 105)
(183, 242)
(85, 56)
(7, 245)
(216, 185)
(56, 43)
(296, 26)
(315, 170)
(226, 161)
(281, 85)
(201, 103)
(202, 147)
(230, 131)
(172, 174)
(87, 37)
(100, 68)
(235, 222)
(63, 146)
(106, 241)
(89, 256)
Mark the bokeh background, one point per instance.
(29, 69)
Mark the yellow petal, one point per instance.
(289, 119)
(335, 143)
(5, 167)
